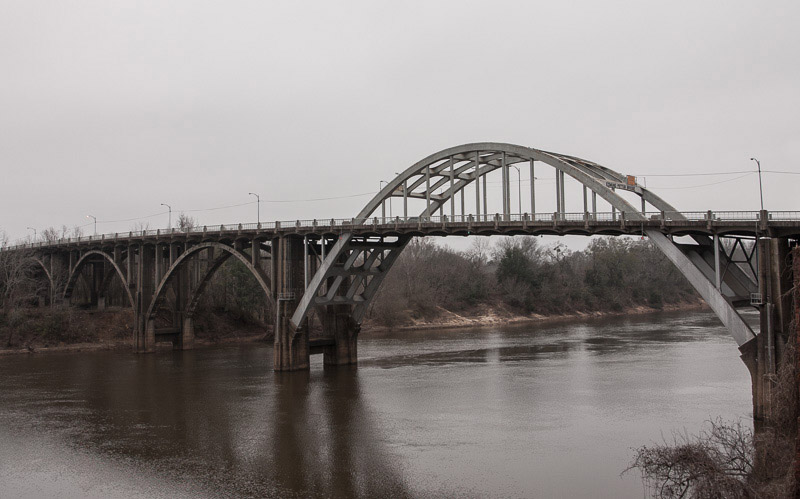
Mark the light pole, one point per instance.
(169, 223)
(34, 232)
(95, 222)
(380, 186)
(760, 189)
(519, 188)
(258, 209)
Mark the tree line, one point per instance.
(524, 276)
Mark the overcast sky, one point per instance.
(112, 108)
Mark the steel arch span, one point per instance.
(355, 266)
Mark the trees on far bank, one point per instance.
(521, 274)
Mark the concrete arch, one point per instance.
(73, 276)
(46, 271)
(160, 292)
(476, 161)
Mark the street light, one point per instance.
(34, 232)
(380, 186)
(519, 188)
(760, 189)
(95, 222)
(258, 202)
(169, 223)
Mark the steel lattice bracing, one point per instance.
(440, 180)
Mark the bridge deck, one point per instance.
(776, 224)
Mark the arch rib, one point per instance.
(79, 264)
(260, 276)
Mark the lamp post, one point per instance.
(169, 223)
(383, 204)
(760, 189)
(34, 232)
(519, 188)
(258, 203)
(95, 222)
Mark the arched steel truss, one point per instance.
(195, 294)
(76, 272)
(354, 267)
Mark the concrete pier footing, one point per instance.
(338, 323)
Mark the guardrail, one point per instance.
(427, 221)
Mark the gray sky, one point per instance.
(111, 108)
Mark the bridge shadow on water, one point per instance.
(216, 421)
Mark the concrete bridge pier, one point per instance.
(338, 324)
(98, 298)
(145, 328)
(182, 285)
(291, 346)
(779, 271)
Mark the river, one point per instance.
(546, 410)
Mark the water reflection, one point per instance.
(223, 417)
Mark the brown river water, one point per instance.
(549, 410)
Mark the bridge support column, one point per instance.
(338, 323)
(98, 298)
(185, 340)
(144, 340)
(181, 319)
(291, 346)
(763, 355)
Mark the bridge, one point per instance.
(331, 269)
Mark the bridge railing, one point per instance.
(784, 215)
(425, 221)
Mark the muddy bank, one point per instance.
(495, 316)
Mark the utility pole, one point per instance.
(169, 223)
(258, 208)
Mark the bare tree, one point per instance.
(715, 463)
(186, 222)
(17, 284)
(50, 235)
(480, 250)
(140, 226)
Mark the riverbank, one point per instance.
(41, 330)
(72, 330)
(496, 316)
